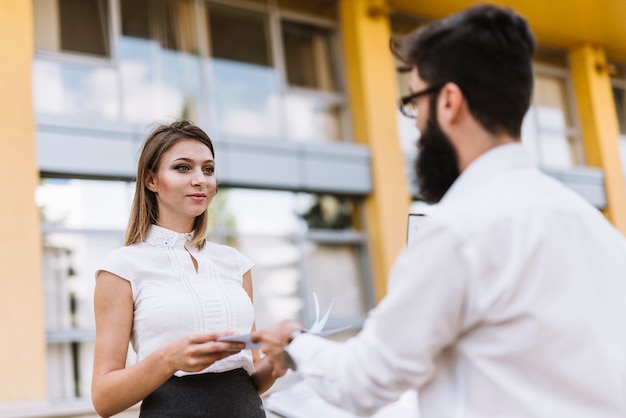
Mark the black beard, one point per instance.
(436, 165)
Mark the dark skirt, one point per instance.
(216, 395)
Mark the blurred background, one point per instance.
(313, 157)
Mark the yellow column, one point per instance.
(22, 333)
(598, 121)
(373, 91)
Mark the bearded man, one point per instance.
(509, 302)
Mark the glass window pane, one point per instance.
(333, 273)
(326, 212)
(548, 125)
(550, 96)
(622, 152)
(170, 23)
(160, 67)
(276, 277)
(288, 265)
(310, 118)
(84, 26)
(82, 222)
(75, 90)
(243, 86)
(619, 95)
(239, 35)
(72, 25)
(308, 56)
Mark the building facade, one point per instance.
(313, 157)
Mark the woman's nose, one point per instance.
(198, 177)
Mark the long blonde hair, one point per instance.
(145, 210)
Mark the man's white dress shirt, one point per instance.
(511, 302)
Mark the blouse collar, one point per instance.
(163, 238)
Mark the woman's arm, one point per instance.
(115, 387)
(263, 377)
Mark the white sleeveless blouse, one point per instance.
(172, 300)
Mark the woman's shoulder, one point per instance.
(124, 260)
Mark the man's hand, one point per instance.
(273, 341)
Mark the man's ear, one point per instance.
(150, 182)
(451, 104)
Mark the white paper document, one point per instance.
(317, 328)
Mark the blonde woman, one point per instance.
(172, 294)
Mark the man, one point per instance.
(510, 302)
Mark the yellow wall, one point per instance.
(22, 333)
(372, 90)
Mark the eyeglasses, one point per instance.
(407, 104)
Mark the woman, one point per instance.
(172, 295)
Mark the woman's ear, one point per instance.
(150, 182)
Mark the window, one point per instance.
(243, 83)
(308, 58)
(239, 35)
(75, 89)
(549, 129)
(78, 26)
(619, 96)
(70, 77)
(159, 64)
(79, 229)
(245, 69)
(314, 107)
(300, 243)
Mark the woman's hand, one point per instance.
(196, 352)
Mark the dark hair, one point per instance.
(145, 209)
(487, 51)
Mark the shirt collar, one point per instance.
(489, 166)
(163, 238)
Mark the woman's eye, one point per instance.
(209, 170)
(182, 168)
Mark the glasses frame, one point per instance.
(407, 105)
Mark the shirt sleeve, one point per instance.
(118, 263)
(245, 264)
(396, 350)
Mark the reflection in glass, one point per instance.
(300, 243)
(312, 118)
(619, 95)
(243, 85)
(271, 229)
(333, 273)
(160, 67)
(328, 212)
(72, 25)
(308, 56)
(82, 221)
(244, 100)
(239, 35)
(547, 128)
(75, 90)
